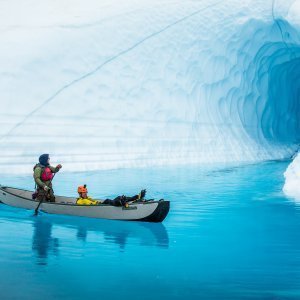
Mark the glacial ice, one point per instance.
(133, 83)
(292, 180)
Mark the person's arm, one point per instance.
(55, 169)
(37, 177)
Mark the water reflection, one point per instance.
(42, 241)
(116, 232)
(119, 233)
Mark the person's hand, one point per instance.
(59, 166)
(46, 188)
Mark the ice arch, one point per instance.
(146, 83)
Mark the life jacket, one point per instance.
(87, 201)
(47, 174)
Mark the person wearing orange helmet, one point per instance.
(82, 191)
(123, 200)
(84, 199)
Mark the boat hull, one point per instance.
(148, 211)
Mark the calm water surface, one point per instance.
(231, 234)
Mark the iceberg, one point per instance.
(110, 84)
(292, 180)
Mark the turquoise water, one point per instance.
(230, 234)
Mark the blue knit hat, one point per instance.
(43, 159)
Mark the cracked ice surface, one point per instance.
(145, 83)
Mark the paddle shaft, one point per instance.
(37, 208)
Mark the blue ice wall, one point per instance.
(267, 100)
(145, 83)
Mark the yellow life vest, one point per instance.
(87, 201)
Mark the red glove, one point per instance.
(59, 166)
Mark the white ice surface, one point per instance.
(292, 180)
(110, 84)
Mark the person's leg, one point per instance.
(140, 196)
(122, 200)
(133, 198)
(108, 201)
(40, 195)
(119, 201)
(51, 197)
(48, 196)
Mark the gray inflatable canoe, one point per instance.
(147, 211)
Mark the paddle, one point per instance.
(37, 208)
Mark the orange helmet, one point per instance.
(82, 189)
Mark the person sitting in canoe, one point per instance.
(43, 175)
(84, 199)
(123, 200)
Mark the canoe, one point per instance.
(146, 211)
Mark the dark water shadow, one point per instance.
(116, 232)
(43, 243)
(120, 233)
